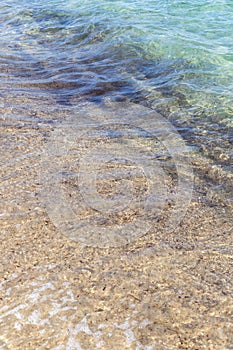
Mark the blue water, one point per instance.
(174, 56)
(174, 53)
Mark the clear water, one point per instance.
(174, 56)
(180, 50)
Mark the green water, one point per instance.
(179, 50)
(173, 56)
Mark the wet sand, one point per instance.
(160, 292)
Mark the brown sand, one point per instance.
(159, 292)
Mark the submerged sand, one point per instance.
(160, 291)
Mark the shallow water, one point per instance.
(174, 51)
(71, 65)
(174, 56)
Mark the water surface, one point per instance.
(170, 290)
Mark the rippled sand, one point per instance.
(160, 292)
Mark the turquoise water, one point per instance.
(175, 53)
(174, 56)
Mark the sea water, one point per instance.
(176, 54)
(173, 56)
